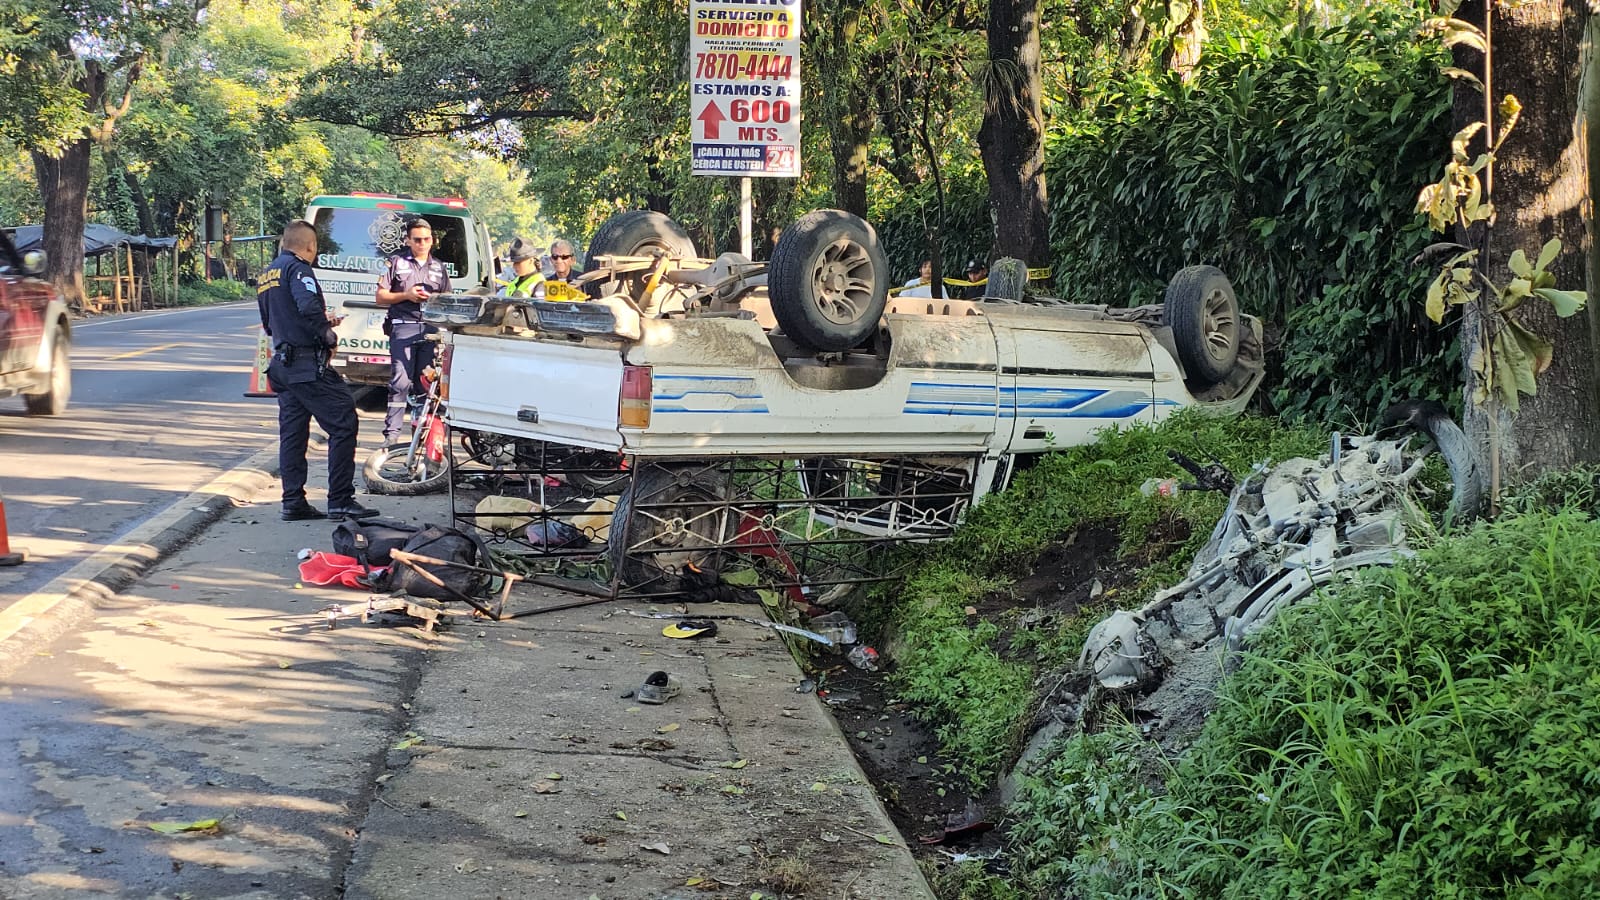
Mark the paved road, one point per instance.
(157, 411)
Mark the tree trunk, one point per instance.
(848, 113)
(1540, 191)
(141, 204)
(64, 188)
(893, 103)
(1183, 51)
(1012, 135)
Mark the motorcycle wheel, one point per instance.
(391, 470)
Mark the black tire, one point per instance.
(637, 232)
(1430, 418)
(1203, 314)
(388, 472)
(596, 473)
(1008, 280)
(673, 510)
(828, 281)
(53, 402)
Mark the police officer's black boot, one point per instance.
(301, 511)
(352, 510)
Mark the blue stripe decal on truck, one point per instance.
(684, 393)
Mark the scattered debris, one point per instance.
(690, 628)
(961, 826)
(836, 627)
(864, 657)
(658, 688)
(205, 826)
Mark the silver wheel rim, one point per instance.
(842, 282)
(1219, 322)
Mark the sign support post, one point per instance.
(746, 213)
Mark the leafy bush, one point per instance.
(1429, 731)
(204, 293)
(1292, 164)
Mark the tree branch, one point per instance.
(465, 121)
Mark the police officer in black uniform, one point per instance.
(301, 330)
(407, 281)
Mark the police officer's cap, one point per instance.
(522, 249)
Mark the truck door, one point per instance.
(1067, 376)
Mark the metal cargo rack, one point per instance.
(646, 527)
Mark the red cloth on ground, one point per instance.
(332, 568)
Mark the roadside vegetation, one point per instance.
(205, 293)
(1425, 729)
(947, 664)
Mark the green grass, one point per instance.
(1433, 730)
(205, 293)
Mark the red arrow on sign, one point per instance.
(713, 118)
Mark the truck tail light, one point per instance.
(633, 408)
(442, 355)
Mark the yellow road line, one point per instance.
(132, 353)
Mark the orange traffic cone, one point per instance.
(8, 558)
(259, 385)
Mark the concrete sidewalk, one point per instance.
(494, 759)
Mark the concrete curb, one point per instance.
(52, 610)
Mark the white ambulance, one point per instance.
(356, 235)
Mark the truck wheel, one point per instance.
(637, 232)
(1429, 418)
(1008, 280)
(828, 280)
(669, 519)
(1204, 316)
(53, 402)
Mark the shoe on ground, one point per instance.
(391, 439)
(658, 688)
(353, 511)
(301, 512)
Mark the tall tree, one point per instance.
(1012, 135)
(1540, 189)
(847, 114)
(69, 73)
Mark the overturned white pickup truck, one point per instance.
(674, 359)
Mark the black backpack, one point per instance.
(370, 540)
(451, 545)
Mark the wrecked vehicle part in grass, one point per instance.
(1288, 528)
(984, 622)
(1447, 699)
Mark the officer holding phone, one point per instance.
(406, 282)
(300, 326)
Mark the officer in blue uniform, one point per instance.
(406, 281)
(301, 330)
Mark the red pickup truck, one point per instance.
(35, 334)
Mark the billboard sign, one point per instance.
(744, 92)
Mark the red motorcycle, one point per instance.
(421, 465)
